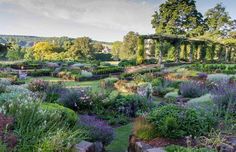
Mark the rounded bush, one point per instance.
(66, 114)
(175, 122)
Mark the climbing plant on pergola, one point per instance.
(195, 44)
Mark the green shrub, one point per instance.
(103, 56)
(108, 82)
(163, 87)
(40, 72)
(173, 122)
(157, 81)
(138, 78)
(204, 103)
(128, 105)
(113, 118)
(171, 96)
(33, 124)
(107, 70)
(66, 114)
(126, 63)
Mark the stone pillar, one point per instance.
(160, 52)
(185, 51)
(191, 52)
(177, 51)
(212, 52)
(140, 51)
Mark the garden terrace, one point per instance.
(198, 48)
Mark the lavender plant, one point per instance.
(99, 129)
(193, 89)
(224, 96)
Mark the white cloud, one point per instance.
(107, 19)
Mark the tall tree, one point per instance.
(179, 17)
(82, 47)
(219, 21)
(14, 51)
(116, 49)
(98, 47)
(3, 50)
(129, 47)
(42, 50)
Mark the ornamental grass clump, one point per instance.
(99, 130)
(144, 129)
(34, 125)
(193, 89)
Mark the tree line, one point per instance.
(63, 48)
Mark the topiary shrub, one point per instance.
(172, 121)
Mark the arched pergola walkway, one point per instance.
(224, 54)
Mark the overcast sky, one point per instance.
(105, 20)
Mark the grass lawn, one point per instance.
(93, 84)
(120, 143)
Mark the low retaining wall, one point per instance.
(136, 145)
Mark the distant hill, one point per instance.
(28, 41)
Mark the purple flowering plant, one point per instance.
(193, 89)
(224, 96)
(99, 130)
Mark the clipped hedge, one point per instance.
(214, 68)
(40, 72)
(107, 70)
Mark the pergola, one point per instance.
(177, 41)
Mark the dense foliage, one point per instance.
(174, 122)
